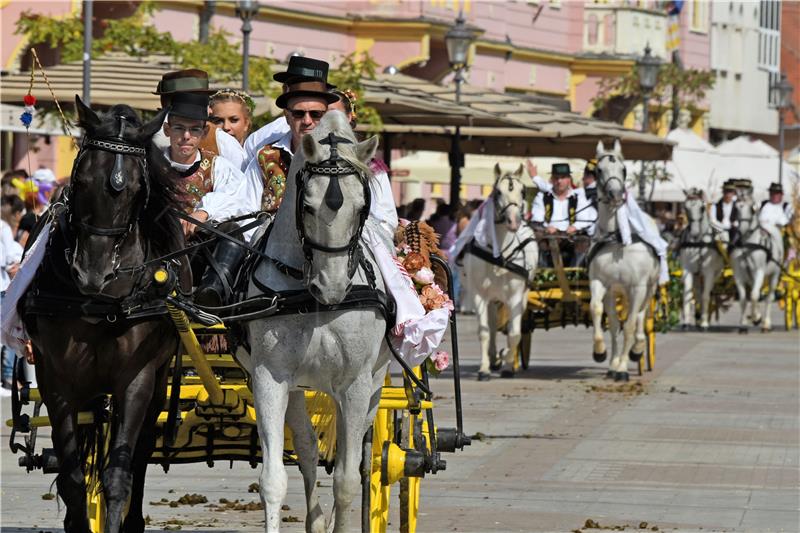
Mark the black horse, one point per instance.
(97, 319)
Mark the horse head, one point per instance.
(748, 213)
(611, 175)
(332, 205)
(696, 214)
(509, 197)
(109, 190)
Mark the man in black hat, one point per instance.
(214, 190)
(304, 102)
(195, 81)
(562, 210)
(725, 213)
(775, 212)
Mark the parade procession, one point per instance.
(400, 265)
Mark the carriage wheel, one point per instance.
(651, 335)
(410, 486)
(377, 500)
(524, 350)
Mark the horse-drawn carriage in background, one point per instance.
(119, 397)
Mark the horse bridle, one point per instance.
(335, 167)
(117, 180)
(605, 180)
(499, 214)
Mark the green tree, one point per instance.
(616, 97)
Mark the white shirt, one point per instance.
(228, 146)
(727, 209)
(10, 253)
(589, 213)
(560, 216)
(774, 215)
(269, 134)
(232, 194)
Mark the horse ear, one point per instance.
(87, 119)
(600, 148)
(497, 171)
(147, 131)
(365, 150)
(617, 147)
(519, 171)
(311, 149)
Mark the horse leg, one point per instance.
(640, 339)
(598, 292)
(484, 335)
(70, 480)
(636, 299)
(613, 333)
(134, 520)
(773, 284)
(351, 424)
(271, 399)
(495, 359)
(515, 311)
(688, 308)
(133, 404)
(755, 295)
(305, 445)
(705, 302)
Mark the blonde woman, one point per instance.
(232, 111)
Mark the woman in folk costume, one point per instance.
(232, 112)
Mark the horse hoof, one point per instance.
(756, 321)
(599, 357)
(507, 374)
(633, 356)
(621, 376)
(484, 376)
(742, 330)
(609, 374)
(496, 365)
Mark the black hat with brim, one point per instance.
(775, 187)
(302, 68)
(190, 105)
(729, 186)
(306, 88)
(560, 169)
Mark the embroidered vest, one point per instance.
(274, 164)
(572, 205)
(196, 185)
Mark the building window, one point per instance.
(698, 15)
(769, 43)
(591, 29)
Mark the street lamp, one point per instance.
(647, 67)
(246, 10)
(784, 90)
(458, 40)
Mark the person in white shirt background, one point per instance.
(10, 257)
(775, 212)
(562, 210)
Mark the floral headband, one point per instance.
(242, 96)
(351, 98)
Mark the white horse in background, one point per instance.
(618, 270)
(339, 352)
(700, 258)
(757, 258)
(505, 278)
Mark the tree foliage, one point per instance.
(219, 56)
(692, 86)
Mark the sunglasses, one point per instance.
(299, 113)
(181, 130)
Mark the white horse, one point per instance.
(618, 270)
(340, 353)
(699, 256)
(503, 279)
(757, 258)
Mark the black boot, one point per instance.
(215, 287)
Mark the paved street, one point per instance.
(709, 441)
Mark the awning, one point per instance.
(421, 115)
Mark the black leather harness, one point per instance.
(500, 261)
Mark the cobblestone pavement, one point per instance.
(709, 441)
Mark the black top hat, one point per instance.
(775, 187)
(729, 186)
(190, 105)
(298, 87)
(189, 80)
(560, 169)
(302, 68)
